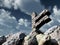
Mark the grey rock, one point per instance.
(2, 39)
(54, 32)
(42, 38)
(31, 39)
(15, 39)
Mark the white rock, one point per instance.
(41, 38)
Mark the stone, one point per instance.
(42, 14)
(15, 39)
(54, 32)
(41, 38)
(2, 39)
(39, 20)
(30, 40)
(42, 21)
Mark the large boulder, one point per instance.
(30, 39)
(41, 38)
(54, 32)
(15, 39)
(2, 39)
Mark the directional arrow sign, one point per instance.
(40, 20)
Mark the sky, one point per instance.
(15, 15)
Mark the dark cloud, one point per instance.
(50, 3)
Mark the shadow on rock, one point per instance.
(51, 42)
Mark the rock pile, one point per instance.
(54, 32)
(15, 39)
(2, 39)
(50, 37)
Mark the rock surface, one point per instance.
(50, 37)
(2, 39)
(41, 38)
(54, 32)
(14, 39)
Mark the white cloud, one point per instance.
(7, 3)
(58, 20)
(56, 11)
(21, 21)
(9, 24)
(24, 22)
(27, 6)
(17, 4)
(10, 3)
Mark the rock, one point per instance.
(41, 38)
(15, 39)
(30, 40)
(50, 42)
(54, 32)
(2, 39)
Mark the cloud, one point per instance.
(24, 22)
(9, 23)
(30, 6)
(27, 6)
(10, 3)
(56, 10)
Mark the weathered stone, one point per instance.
(33, 15)
(41, 38)
(54, 32)
(42, 21)
(2, 39)
(30, 40)
(42, 14)
(51, 42)
(15, 39)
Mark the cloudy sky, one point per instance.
(15, 14)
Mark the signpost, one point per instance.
(41, 19)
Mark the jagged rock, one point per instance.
(51, 42)
(2, 39)
(54, 32)
(15, 39)
(31, 39)
(41, 38)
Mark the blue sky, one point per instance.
(15, 14)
